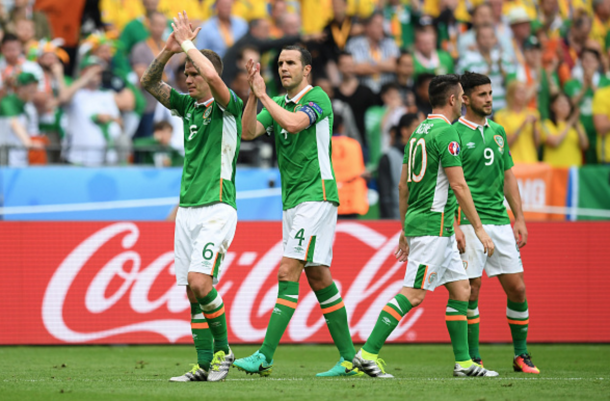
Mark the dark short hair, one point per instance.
(478, 7)
(162, 125)
(306, 58)
(385, 88)
(254, 23)
(10, 37)
(244, 48)
(214, 58)
(592, 51)
(403, 53)
(407, 119)
(344, 53)
(441, 88)
(337, 122)
(367, 21)
(180, 69)
(471, 80)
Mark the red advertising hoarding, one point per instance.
(114, 283)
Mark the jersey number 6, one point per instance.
(412, 154)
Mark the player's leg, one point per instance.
(261, 361)
(506, 264)
(456, 281)
(473, 260)
(335, 315)
(517, 314)
(202, 336)
(213, 231)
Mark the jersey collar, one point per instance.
(299, 95)
(471, 125)
(206, 103)
(438, 117)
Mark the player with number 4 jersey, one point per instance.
(487, 167)
(430, 182)
(207, 216)
(301, 122)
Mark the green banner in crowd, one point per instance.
(593, 190)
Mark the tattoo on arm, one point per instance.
(151, 81)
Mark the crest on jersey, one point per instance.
(454, 148)
(432, 278)
(207, 113)
(499, 140)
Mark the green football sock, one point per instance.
(202, 337)
(335, 315)
(518, 320)
(473, 329)
(287, 298)
(386, 323)
(214, 312)
(457, 324)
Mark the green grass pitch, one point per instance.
(423, 372)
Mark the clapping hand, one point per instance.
(183, 30)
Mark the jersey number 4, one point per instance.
(414, 143)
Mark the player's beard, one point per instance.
(481, 112)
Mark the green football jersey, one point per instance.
(485, 157)
(212, 135)
(433, 146)
(304, 158)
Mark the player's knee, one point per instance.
(475, 288)
(517, 293)
(200, 285)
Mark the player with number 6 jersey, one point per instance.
(431, 180)
(487, 167)
(207, 216)
(301, 122)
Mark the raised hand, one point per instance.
(183, 30)
(257, 83)
(172, 44)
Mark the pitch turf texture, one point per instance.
(423, 372)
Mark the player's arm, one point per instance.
(402, 252)
(151, 79)
(184, 35)
(512, 195)
(457, 182)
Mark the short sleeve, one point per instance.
(264, 117)
(508, 158)
(179, 103)
(317, 107)
(448, 142)
(235, 105)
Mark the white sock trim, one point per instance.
(513, 314)
(451, 310)
(198, 316)
(332, 299)
(215, 304)
(394, 302)
(472, 312)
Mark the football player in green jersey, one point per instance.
(207, 216)
(430, 182)
(302, 122)
(487, 167)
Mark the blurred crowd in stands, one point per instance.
(69, 74)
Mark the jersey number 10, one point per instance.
(413, 144)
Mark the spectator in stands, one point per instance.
(550, 18)
(489, 60)
(422, 98)
(520, 25)
(576, 38)
(223, 30)
(157, 149)
(481, 15)
(24, 10)
(348, 165)
(141, 57)
(24, 30)
(500, 22)
(116, 14)
(400, 20)
(601, 22)
(563, 136)
(16, 124)
(427, 58)
(93, 117)
(390, 167)
(581, 90)
(239, 84)
(51, 59)
(374, 54)
(404, 78)
(244, 54)
(137, 29)
(13, 62)
(278, 9)
(601, 119)
(336, 34)
(521, 124)
(349, 128)
(359, 97)
(448, 28)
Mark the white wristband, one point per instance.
(187, 45)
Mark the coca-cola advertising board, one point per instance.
(114, 283)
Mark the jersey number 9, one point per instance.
(412, 154)
(489, 156)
